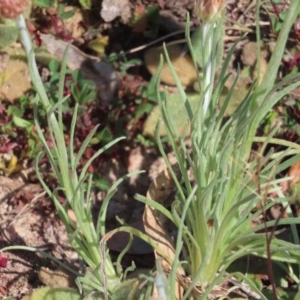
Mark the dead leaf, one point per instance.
(98, 45)
(14, 166)
(104, 76)
(154, 222)
(57, 47)
(14, 80)
(294, 172)
(74, 23)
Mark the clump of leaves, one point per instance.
(214, 212)
(101, 279)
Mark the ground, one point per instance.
(27, 215)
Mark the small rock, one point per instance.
(112, 9)
(183, 65)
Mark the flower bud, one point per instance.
(206, 10)
(11, 9)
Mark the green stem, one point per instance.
(61, 150)
(207, 65)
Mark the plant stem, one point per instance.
(61, 150)
(207, 66)
(34, 73)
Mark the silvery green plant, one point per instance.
(214, 211)
(101, 280)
